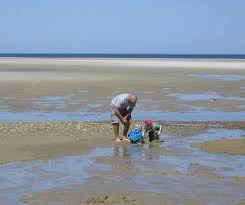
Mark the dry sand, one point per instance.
(154, 63)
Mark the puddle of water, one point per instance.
(31, 177)
(204, 96)
(193, 97)
(97, 105)
(197, 108)
(52, 98)
(140, 92)
(234, 165)
(4, 107)
(241, 106)
(60, 103)
(84, 91)
(149, 162)
(54, 116)
(166, 88)
(85, 116)
(146, 100)
(234, 98)
(219, 77)
(54, 108)
(190, 116)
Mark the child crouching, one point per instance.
(137, 134)
(153, 129)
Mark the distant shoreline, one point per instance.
(137, 56)
(161, 63)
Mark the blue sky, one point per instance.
(123, 26)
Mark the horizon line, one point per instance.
(78, 53)
(121, 55)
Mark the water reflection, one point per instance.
(128, 151)
(151, 151)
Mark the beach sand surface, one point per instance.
(89, 84)
(63, 162)
(230, 146)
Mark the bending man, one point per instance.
(121, 107)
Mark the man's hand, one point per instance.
(125, 121)
(119, 115)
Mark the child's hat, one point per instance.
(148, 123)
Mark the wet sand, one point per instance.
(98, 171)
(229, 146)
(21, 141)
(43, 140)
(52, 160)
(82, 85)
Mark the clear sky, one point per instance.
(123, 26)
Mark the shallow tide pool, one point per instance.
(179, 167)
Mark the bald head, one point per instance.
(132, 99)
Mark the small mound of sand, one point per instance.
(99, 199)
(127, 199)
(194, 163)
(229, 146)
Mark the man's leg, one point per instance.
(126, 128)
(116, 131)
(115, 125)
(125, 132)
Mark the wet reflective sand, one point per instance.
(81, 89)
(59, 156)
(147, 174)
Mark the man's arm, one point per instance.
(119, 115)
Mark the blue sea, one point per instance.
(122, 55)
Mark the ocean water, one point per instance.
(123, 55)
